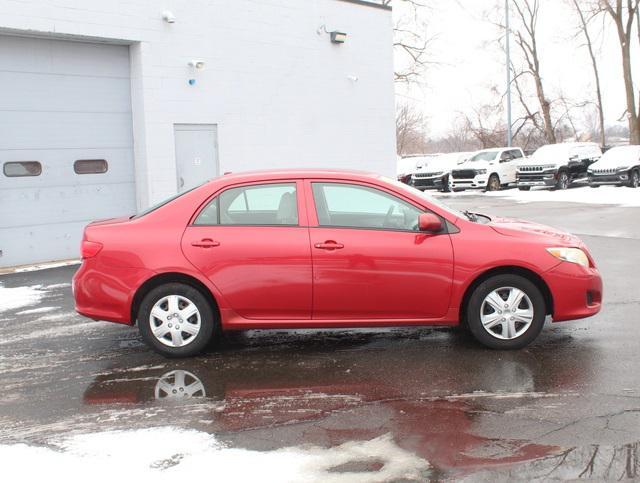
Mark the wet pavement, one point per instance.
(566, 407)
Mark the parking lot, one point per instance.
(362, 405)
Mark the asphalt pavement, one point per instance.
(566, 407)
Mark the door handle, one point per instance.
(205, 243)
(329, 245)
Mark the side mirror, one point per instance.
(429, 222)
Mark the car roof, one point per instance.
(271, 174)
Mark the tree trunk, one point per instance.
(596, 73)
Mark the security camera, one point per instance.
(197, 64)
(168, 16)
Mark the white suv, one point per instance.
(489, 169)
(435, 171)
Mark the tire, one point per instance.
(563, 181)
(445, 185)
(202, 326)
(494, 183)
(594, 186)
(524, 188)
(480, 311)
(634, 178)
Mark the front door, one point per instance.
(250, 241)
(370, 260)
(196, 154)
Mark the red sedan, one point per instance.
(309, 249)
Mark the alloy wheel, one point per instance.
(179, 384)
(506, 313)
(175, 321)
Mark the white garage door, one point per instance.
(66, 144)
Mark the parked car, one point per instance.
(618, 166)
(409, 164)
(489, 169)
(305, 249)
(435, 171)
(557, 165)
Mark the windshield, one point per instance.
(434, 201)
(621, 154)
(484, 156)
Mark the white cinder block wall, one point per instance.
(280, 92)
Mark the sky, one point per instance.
(469, 61)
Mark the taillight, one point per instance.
(90, 249)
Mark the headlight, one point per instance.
(572, 255)
(481, 171)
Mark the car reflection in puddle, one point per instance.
(438, 406)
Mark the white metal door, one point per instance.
(196, 154)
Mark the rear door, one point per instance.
(252, 242)
(369, 259)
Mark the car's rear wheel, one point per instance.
(494, 183)
(506, 312)
(634, 178)
(177, 320)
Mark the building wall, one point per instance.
(280, 92)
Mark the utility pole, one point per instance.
(508, 60)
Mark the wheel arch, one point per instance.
(507, 270)
(171, 277)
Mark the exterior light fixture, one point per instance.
(338, 37)
(197, 64)
(168, 17)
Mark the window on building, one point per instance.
(90, 166)
(15, 169)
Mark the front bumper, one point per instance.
(576, 291)
(537, 179)
(438, 182)
(479, 182)
(609, 179)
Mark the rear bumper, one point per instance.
(106, 293)
(576, 291)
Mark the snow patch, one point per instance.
(17, 297)
(40, 266)
(165, 454)
(40, 310)
(604, 195)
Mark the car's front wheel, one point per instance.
(176, 320)
(494, 183)
(563, 181)
(506, 312)
(634, 178)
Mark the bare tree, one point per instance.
(623, 15)
(411, 41)
(594, 64)
(410, 130)
(527, 12)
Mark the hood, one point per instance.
(475, 165)
(522, 228)
(552, 160)
(433, 165)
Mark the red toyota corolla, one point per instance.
(297, 249)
